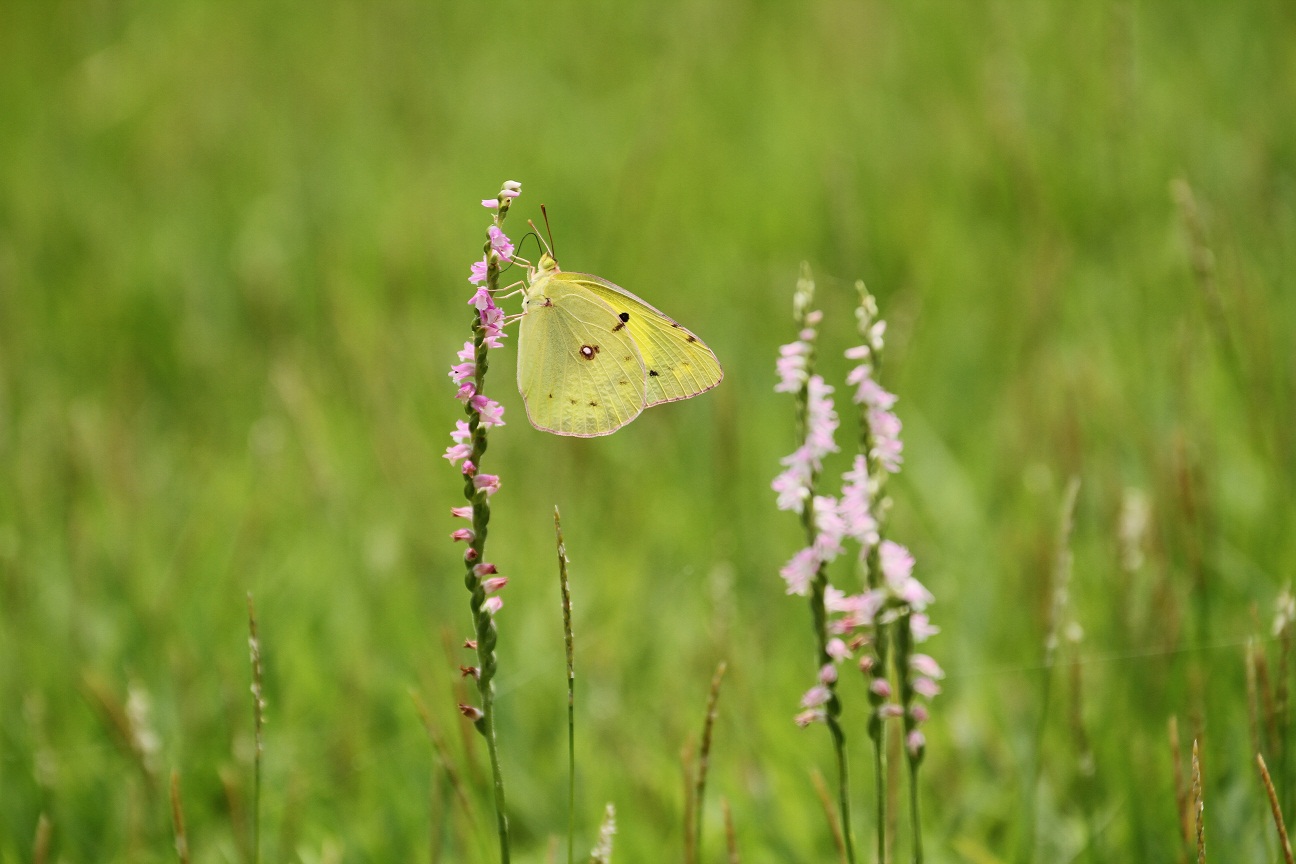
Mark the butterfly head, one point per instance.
(547, 265)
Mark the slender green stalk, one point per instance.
(568, 638)
(258, 714)
(177, 820)
(704, 759)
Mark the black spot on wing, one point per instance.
(652, 373)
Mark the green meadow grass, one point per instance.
(234, 242)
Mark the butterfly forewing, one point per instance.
(579, 374)
(677, 364)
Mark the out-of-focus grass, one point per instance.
(233, 247)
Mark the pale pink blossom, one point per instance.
(918, 712)
(821, 419)
(837, 650)
(799, 571)
(791, 367)
(812, 715)
(925, 665)
(461, 512)
(890, 709)
(470, 672)
(471, 712)
(490, 586)
(921, 628)
(488, 483)
(469, 469)
(466, 391)
(926, 687)
(827, 674)
(464, 534)
(880, 687)
(830, 527)
(816, 696)
(490, 411)
(793, 485)
(915, 741)
(493, 604)
(477, 273)
(455, 452)
(461, 372)
(853, 508)
(887, 446)
(490, 203)
(485, 568)
(482, 299)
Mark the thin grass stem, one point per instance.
(1275, 808)
(258, 718)
(704, 759)
(177, 820)
(570, 642)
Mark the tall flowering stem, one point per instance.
(469, 447)
(882, 624)
(807, 572)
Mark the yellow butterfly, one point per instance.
(592, 355)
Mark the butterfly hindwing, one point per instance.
(579, 374)
(677, 364)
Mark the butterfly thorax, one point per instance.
(539, 279)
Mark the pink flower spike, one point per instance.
(469, 469)
(482, 299)
(477, 273)
(491, 586)
(485, 568)
(493, 604)
(471, 712)
(464, 534)
(488, 483)
(926, 687)
(915, 741)
(837, 650)
(828, 674)
(490, 203)
(467, 354)
(880, 687)
(925, 665)
(461, 512)
(467, 390)
(462, 431)
(816, 696)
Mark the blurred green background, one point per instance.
(234, 242)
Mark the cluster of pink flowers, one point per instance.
(853, 516)
(485, 411)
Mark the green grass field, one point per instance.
(234, 242)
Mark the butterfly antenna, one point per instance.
(549, 231)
